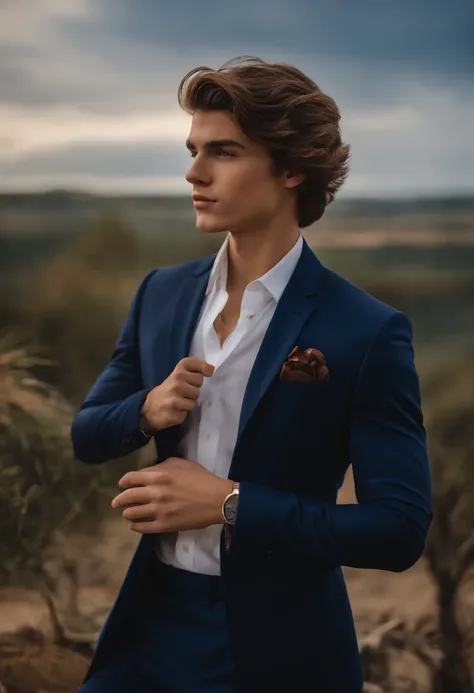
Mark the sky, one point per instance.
(88, 87)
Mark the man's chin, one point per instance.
(209, 225)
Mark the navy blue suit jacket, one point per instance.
(289, 617)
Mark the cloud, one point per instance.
(100, 185)
(422, 146)
(424, 37)
(50, 129)
(89, 87)
(25, 23)
(113, 52)
(148, 158)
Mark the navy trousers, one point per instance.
(178, 644)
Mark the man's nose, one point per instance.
(197, 173)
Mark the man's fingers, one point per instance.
(195, 379)
(132, 479)
(195, 365)
(181, 404)
(140, 513)
(188, 391)
(141, 477)
(132, 496)
(153, 527)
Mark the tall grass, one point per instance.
(448, 378)
(42, 487)
(68, 318)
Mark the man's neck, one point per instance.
(251, 257)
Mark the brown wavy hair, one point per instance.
(281, 108)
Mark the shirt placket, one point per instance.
(208, 438)
(213, 353)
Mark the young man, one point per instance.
(261, 376)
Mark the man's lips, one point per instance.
(202, 198)
(200, 202)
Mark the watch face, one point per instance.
(230, 508)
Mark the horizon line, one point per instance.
(346, 197)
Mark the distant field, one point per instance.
(62, 212)
(415, 254)
(22, 254)
(431, 233)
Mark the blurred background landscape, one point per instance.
(92, 196)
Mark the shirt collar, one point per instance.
(274, 281)
(219, 267)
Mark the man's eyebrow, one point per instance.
(215, 144)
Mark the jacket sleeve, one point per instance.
(388, 526)
(107, 424)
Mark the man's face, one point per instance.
(235, 173)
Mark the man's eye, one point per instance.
(219, 152)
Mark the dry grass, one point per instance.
(24, 394)
(448, 377)
(42, 487)
(29, 664)
(73, 308)
(34, 455)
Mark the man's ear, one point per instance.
(292, 180)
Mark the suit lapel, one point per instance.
(294, 308)
(187, 311)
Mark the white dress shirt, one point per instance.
(210, 429)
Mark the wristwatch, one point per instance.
(229, 506)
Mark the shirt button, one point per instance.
(186, 548)
(251, 315)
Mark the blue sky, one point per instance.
(88, 87)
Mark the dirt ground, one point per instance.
(86, 573)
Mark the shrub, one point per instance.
(42, 487)
(448, 384)
(75, 304)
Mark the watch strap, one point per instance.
(227, 527)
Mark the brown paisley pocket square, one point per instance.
(305, 366)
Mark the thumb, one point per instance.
(208, 369)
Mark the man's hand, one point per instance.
(172, 496)
(169, 403)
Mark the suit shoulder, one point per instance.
(179, 271)
(160, 276)
(353, 297)
(360, 311)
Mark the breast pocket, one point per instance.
(299, 393)
(295, 429)
(297, 405)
